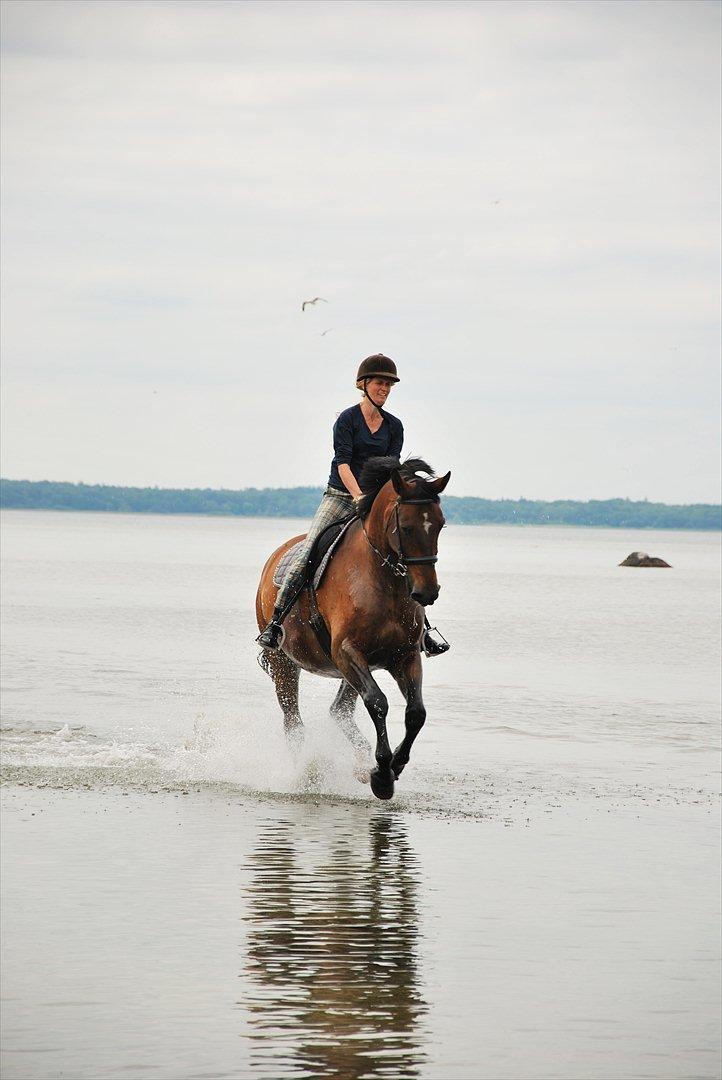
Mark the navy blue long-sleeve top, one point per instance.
(354, 442)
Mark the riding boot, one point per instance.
(272, 636)
(434, 648)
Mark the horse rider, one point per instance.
(360, 432)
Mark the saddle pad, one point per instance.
(284, 564)
(320, 568)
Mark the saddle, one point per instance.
(321, 554)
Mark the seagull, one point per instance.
(496, 202)
(324, 332)
(314, 301)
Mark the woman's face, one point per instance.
(378, 389)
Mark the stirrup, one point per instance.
(272, 636)
(430, 647)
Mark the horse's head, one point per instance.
(414, 523)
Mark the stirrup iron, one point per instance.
(273, 634)
(430, 646)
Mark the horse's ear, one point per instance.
(400, 486)
(438, 485)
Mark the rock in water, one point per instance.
(641, 558)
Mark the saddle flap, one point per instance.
(323, 551)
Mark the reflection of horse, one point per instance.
(331, 949)
(372, 600)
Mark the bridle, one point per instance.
(399, 565)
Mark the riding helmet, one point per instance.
(378, 365)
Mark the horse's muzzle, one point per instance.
(425, 597)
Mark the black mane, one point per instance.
(377, 471)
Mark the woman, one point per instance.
(360, 432)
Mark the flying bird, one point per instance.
(324, 332)
(314, 301)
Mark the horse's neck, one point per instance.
(377, 520)
(378, 526)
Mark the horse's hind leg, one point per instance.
(342, 711)
(285, 679)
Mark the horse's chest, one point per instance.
(400, 631)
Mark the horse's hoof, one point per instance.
(382, 786)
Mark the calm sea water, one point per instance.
(185, 898)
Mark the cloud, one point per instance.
(518, 202)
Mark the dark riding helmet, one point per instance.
(380, 366)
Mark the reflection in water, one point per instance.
(332, 943)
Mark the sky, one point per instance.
(517, 201)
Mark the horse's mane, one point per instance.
(377, 471)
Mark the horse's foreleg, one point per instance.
(352, 664)
(285, 674)
(342, 712)
(408, 675)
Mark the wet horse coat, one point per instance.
(372, 600)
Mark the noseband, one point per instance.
(402, 561)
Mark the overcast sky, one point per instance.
(517, 201)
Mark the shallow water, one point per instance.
(538, 900)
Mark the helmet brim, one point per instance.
(378, 375)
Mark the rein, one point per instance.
(400, 564)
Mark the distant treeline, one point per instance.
(302, 502)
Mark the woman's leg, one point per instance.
(332, 508)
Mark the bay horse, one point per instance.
(372, 598)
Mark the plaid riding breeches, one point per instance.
(335, 506)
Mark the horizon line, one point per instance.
(320, 488)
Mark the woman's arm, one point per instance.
(343, 450)
(397, 439)
(349, 480)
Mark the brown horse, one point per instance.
(372, 599)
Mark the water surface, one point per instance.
(184, 898)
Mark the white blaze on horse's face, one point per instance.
(427, 523)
